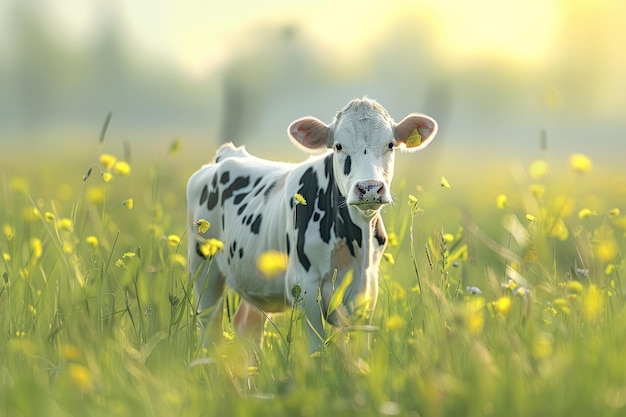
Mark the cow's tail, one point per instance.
(228, 150)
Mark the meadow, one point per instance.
(501, 294)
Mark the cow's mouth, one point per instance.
(368, 207)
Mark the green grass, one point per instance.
(106, 330)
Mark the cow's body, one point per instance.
(251, 206)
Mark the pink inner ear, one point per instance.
(424, 125)
(309, 132)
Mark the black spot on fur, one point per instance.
(288, 244)
(240, 253)
(198, 251)
(205, 195)
(308, 190)
(347, 166)
(212, 200)
(259, 190)
(256, 225)
(225, 177)
(249, 220)
(223, 221)
(257, 181)
(241, 209)
(237, 184)
(336, 216)
(240, 197)
(213, 195)
(316, 217)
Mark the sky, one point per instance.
(509, 68)
(189, 34)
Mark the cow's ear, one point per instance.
(309, 134)
(415, 131)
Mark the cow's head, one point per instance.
(364, 137)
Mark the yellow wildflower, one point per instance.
(107, 160)
(606, 250)
(530, 217)
(67, 247)
(610, 268)
(81, 377)
(412, 199)
(538, 169)
(574, 286)
(592, 303)
(8, 231)
(392, 240)
(300, 199)
(107, 176)
(472, 315)
(50, 217)
(173, 240)
(122, 168)
(92, 241)
(502, 201)
(95, 195)
(389, 258)
(614, 212)
(394, 323)
(503, 305)
(129, 255)
(211, 247)
(69, 352)
(65, 224)
(584, 213)
(563, 305)
(444, 183)
(542, 345)
(203, 225)
(36, 247)
(559, 230)
(129, 203)
(580, 163)
(180, 260)
(6, 257)
(272, 263)
(396, 290)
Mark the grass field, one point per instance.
(501, 295)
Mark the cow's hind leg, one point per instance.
(248, 323)
(208, 284)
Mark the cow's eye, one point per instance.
(338, 147)
(391, 145)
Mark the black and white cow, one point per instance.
(250, 204)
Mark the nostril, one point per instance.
(369, 187)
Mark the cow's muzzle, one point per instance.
(369, 195)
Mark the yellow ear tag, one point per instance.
(415, 139)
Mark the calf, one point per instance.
(251, 206)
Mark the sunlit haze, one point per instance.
(493, 72)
